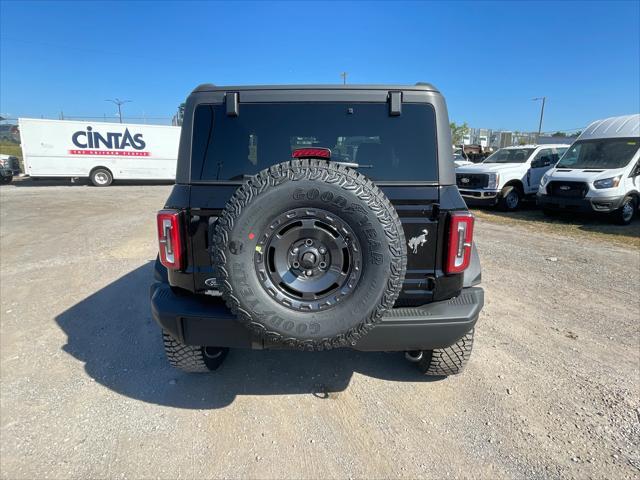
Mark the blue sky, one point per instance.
(489, 59)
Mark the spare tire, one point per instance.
(310, 254)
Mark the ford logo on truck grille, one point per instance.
(464, 180)
(565, 187)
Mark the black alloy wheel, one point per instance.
(308, 259)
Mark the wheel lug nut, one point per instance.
(294, 251)
(296, 265)
(322, 251)
(309, 273)
(322, 265)
(308, 242)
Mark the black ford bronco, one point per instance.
(312, 218)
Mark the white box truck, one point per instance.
(100, 151)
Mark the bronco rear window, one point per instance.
(386, 148)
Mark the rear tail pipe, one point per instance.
(413, 356)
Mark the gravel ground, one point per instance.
(552, 390)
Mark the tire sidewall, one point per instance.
(620, 214)
(342, 323)
(106, 172)
(510, 191)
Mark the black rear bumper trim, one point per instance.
(202, 320)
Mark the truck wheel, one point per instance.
(310, 253)
(624, 214)
(101, 177)
(447, 361)
(510, 198)
(7, 179)
(190, 358)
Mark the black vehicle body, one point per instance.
(11, 163)
(6, 175)
(433, 310)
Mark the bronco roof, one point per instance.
(209, 87)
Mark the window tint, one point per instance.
(600, 153)
(387, 148)
(545, 152)
(510, 155)
(558, 153)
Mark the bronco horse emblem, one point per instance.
(415, 242)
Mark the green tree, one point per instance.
(458, 132)
(179, 116)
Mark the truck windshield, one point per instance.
(603, 153)
(510, 155)
(386, 148)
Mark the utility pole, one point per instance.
(119, 103)
(344, 77)
(544, 99)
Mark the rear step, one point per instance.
(189, 318)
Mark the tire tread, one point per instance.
(348, 179)
(188, 358)
(450, 360)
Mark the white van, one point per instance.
(100, 151)
(600, 172)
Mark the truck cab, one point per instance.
(508, 176)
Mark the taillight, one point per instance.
(460, 240)
(170, 239)
(311, 153)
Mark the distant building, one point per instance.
(505, 138)
(486, 137)
(545, 139)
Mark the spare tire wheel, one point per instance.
(310, 254)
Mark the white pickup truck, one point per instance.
(507, 176)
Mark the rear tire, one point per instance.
(510, 198)
(101, 177)
(447, 361)
(191, 358)
(624, 214)
(7, 179)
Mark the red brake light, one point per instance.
(460, 241)
(311, 153)
(170, 239)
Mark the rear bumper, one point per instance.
(202, 320)
(479, 197)
(589, 204)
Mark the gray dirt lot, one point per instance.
(552, 390)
